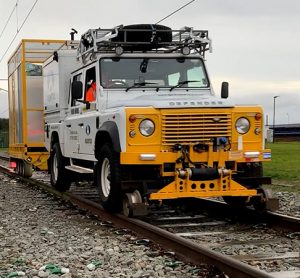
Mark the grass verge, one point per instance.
(284, 167)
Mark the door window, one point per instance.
(77, 77)
(90, 85)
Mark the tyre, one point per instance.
(24, 169)
(59, 176)
(108, 179)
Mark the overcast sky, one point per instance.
(256, 44)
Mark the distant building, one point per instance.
(286, 132)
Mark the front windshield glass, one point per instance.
(153, 72)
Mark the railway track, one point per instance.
(236, 245)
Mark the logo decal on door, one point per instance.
(88, 130)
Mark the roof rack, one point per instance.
(145, 38)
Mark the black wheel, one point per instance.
(108, 179)
(27, 169)
(24, 169)
(59, 176)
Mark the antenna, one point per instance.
(175, 11)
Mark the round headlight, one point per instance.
(146, 127)
(242, 125)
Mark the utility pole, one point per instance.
(274, 98)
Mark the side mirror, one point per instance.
(224, 90)
(76, 89)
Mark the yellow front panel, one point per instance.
(251, 141)
(140, 114)
(190, 127)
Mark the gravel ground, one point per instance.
(38, 232)
(289, 203)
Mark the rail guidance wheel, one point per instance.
(59, 176)
(129, 201)
(266, 201)
(108, 179)
(127, 205)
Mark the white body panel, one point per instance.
(57, 81)
(77, 126)
(80, 133)
(178, 98)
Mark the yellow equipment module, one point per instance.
(26, 104)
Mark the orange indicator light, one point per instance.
(132, 118)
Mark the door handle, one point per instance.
(81, 124)
(68, 125)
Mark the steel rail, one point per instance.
(285, 222)
(275, 220)
(184, 249)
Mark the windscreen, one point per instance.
(153, 72)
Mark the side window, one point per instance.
(90, 85)
(77, 77)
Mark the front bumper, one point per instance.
(184, 188)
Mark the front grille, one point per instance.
(194, 127)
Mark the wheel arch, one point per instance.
(107, 133)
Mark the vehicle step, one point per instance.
(79, 169)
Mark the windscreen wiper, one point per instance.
(182, 83)
(139, 84)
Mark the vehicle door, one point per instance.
(71, 121)
(86, 121)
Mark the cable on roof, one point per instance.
(18, 30)
(175, 12)
(8, 19)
